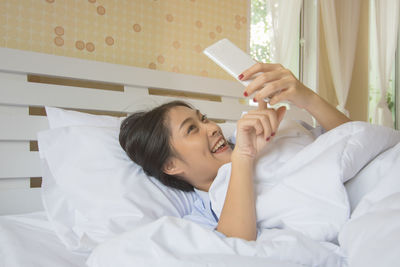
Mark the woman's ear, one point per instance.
(172, 167)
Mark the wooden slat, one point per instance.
(14, 145)
(33, 146)
(16, 201)
(31, 94)
(35, 182)
(37, 111)
(12, 183)
(75, 83)
(8, 109)
(19, 164)
(21, 128)
(173, 93)
(25, 128)
(217, 120)
(41, 111)
(20, 61)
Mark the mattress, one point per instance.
(29, 240)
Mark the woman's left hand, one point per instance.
(255, 129)
(277, 83)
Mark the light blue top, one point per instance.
(202, 212)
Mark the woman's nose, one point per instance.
(213, 130)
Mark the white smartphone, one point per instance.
(231, 58)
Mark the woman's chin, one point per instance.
(224, 155)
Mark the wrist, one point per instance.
(312, 101)
(239, 157)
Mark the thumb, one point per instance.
(281, 113)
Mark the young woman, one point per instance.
(183, 149)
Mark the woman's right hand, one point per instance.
(278, 83)
(255, 130)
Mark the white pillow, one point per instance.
(91, 189)
(58, 117)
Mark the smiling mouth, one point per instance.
(220, 146)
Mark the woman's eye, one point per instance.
(204, 118)
(191, 128)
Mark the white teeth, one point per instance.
(218, 145)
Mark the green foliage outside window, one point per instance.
(375, 96)
(261, 31)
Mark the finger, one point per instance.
(270, 114)
(275, 116)
(257, 111)
(260, 81)
(262, 105)
(251, 123)
(272, 88)
(281, 113)
(273, 120)
(283, 95)
(258, 67)
(265, 122)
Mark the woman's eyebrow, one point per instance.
(189, 119)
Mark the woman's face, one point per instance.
(199, 145)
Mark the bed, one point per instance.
(39, 225)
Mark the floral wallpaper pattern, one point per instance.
(165, 35)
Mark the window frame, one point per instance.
(308, 44)
(397, 82)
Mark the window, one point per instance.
(394, 86)
(304, 63)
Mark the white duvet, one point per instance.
(299, 186)
(172, 241)
(306, 182)
(372, 236)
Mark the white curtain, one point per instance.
(285, 16)
(386, 25)
(340, 19)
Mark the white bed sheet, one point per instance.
(175, 242)
(29, 240)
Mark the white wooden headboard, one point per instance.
(19, 162)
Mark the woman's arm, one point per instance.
(254, 130)
(326, 115)
(238, 216)
(280, 84)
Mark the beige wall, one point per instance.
(166, 35)
(357, 102)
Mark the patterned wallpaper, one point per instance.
(165, 35)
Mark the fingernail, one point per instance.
(240, 76)
(272, 134)
(254, 100)
(268, 138)
(245, 94)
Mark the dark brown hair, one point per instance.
(145, 137)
